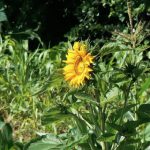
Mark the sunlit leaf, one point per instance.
(87, 98)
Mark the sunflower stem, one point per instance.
(105, 144)
(102, 116)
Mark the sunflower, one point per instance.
(78, 63)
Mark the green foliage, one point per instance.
(109, 112)
(6, 140)
(54, 114)
(60, 142)
(27, 82)
(97, 19)
(2, 13)
(119, 8)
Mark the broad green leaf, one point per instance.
(112, 47)
(145, 86)
(6, 140)
(118, 77)
(107, 137)
(127, 129)
(114, 116)
(146, 145)
(52, 142)
(144, 113)
(145, 133)
(115, 126)
(55, 114)
(87, 98)
(81, 140)
(2, 13)
(125, 146)
(128, 143)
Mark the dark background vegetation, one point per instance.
(52, 19)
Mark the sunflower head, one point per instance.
(78, 63)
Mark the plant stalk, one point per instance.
(130, 15)
(102, 115)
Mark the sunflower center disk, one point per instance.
(79, 65)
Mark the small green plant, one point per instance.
(27, 84)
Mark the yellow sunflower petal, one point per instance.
(76, 46)
(78, 63)
(82, 53)
(83, 47)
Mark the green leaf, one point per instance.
(129, 128)
(115, 126)
(2, 16)
(146, 145)
(113, 47)
(81, 140)
(6, 140)
(87, 98)
(145, 86)
(56, 114)
(125, 146)
(107, 137)
(118, 77)
(128, 143)
(51, 142)
(2, 13)
(114, 116)
(144, 113)
(146, 133)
